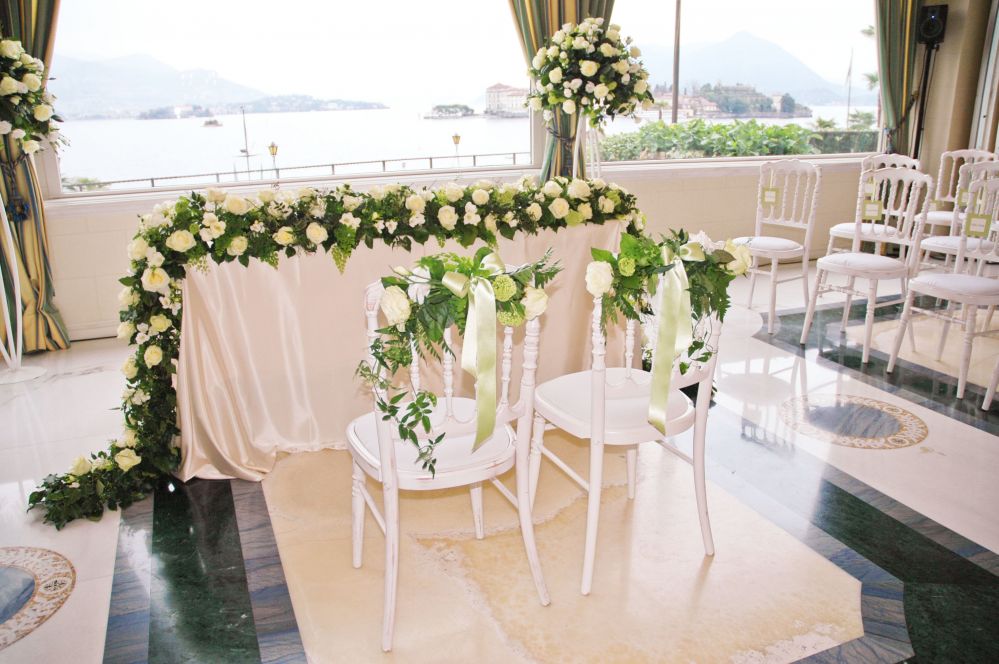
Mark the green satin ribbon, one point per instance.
(478, 350)
(676, 332)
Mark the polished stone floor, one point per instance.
(854, 516)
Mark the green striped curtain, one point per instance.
(32, 22)
(896, 34)
(537, 20)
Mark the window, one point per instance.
(755, 78)
(154, 94)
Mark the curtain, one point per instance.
(32, 22)
(536, 21)
(896, 34)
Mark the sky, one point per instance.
(432, 51)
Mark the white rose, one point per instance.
(742, 259)
(316, 233)
(568, 107)
(8, 86)
(552, 189)
(559, 208)
(641, 86)
(11, 49)
(126, 330)
(588, 68)
(534, 211)
(555, 75)
(128, 438)
(578, 189)
(42, 112)
(534, 103)
(236, 204)
(613, 34)
(415, 203)
(266, 195)
(127, 459)
(472, 218)
(237, 246)
(216, 229)
(376, 192)
(480, 196)
(558, 36)
(130, 369)
(205, 235)
(284, 236)
(5, 127)
(600, 91)
(181, 241)
(137, 249)
(152, 356)
(621, 66)
(17, 134)
(82, 465)
(214, 195)
(15, 100)
(305, 193)
(608, 50)
(351, 203)
(453, 192)
(318, 209)
(209, 219)
(127, 298)
(636, 52)
(647, 104)
(30, 147)
(599, 278)
(447, 217)
(605, 204)
(417, 220)
(395, 305)
(585, 211)
(390, 226)
(419, 288)
(538, 59)
(349, 220)
(535, 301)
(156, 279)
(32, 82)
(159, 323)
(580, 42)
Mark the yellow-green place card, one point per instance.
(769, 195)
(977, 225)
(871, 210)
(962, 198)
(869, 188)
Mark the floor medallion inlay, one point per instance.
(853, 421)
(34, 583)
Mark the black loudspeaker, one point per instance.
(931, 25)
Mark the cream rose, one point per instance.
(415, 203)
(8, 86)
(555, 75)
(266, 195)
(128, 438)
(447, 217)
(127, 459)
(284, 236)
(236, 204)
(641, 86)
(214, 195)
(130, 369)
(125, 330)
(559, 208)
(81, 467)
(237, 246)
(585, 211)
(181, 241)
(395, 305)
(600, 91)
(534, 211)
(316, 233)
(621, 67)
(599, 278)
(568, 107)
(42, 112)
(480, 196)
(534, 103)
(152, 356)
(32, 82)
(588, 67)
(349, 220)
(578, 189)
(742, 259)
(137, 249)
(159, 323)
(453, 192)
(30, 147)
(605, 204)
(535, 301)
(155, 279)
(127, 298)
(636, 52)
(351, 203)
(551, 189)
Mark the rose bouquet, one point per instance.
(584, 68)
(25, 107)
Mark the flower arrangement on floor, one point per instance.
(26, 112)
(588, 70)
(420, 304)
(228, 227)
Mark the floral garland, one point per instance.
(227, 227)
(26, 111)
(419, 305)
(587, 69)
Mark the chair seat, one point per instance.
(941, 217)
(860, 264)
(766, 246)
(565, 402)
(958, 287)
(949, 244)
(847, 229)
(456, 465)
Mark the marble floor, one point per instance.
(853, 510)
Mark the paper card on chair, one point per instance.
(769, 195)
(962, 197)
(871, 210)
(869, 189)
(977, 225)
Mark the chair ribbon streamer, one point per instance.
(478, 350)
(675, 335)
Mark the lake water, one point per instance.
(134, 149)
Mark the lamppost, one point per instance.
(273, 148)
(457, 160)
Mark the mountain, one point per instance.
(746, 58)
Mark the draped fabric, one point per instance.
(537, 20)
(896, 34)
(32, 22)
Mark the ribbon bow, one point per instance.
(676, 332)
(478, 350)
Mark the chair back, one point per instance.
(886, 160)
(451, 419)
(948, 175)
(792, 187)
(978, 230)
(903, 195)
(968, 174)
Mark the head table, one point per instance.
(267, 356)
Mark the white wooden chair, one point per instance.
(793, 190)
(846, 230)
(948, 184)
(991, 392)
(971, 291)
(616, 413)
(949, 244)
(903, 195)
(378, 453)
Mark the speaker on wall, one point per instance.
(931, 25)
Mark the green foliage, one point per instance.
(787, 104)
(861, 121)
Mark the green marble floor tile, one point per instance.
(953, 622)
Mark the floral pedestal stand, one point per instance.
(13, 348)
(586, 149)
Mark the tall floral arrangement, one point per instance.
(26, 112)
(588, 70)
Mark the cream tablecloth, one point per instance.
(267, 356)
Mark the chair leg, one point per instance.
(820, 278)
(829, 247)
(700, 486)
(752, 281)
(773, 295)
(991, 392)
(357, 515)
(804, 275)
(969, 338)
(527, 521)
(475, 491)
(391, 507)
(872, 299)
(846, 305)
(631, 456)
(944, 330)
(534, 465)
(592, 513)
(902, 329)
(988, 317)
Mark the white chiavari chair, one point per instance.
(949, 187)
(949, 244)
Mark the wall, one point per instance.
(87, 236)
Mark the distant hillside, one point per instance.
(128, 86)
(746, 58)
